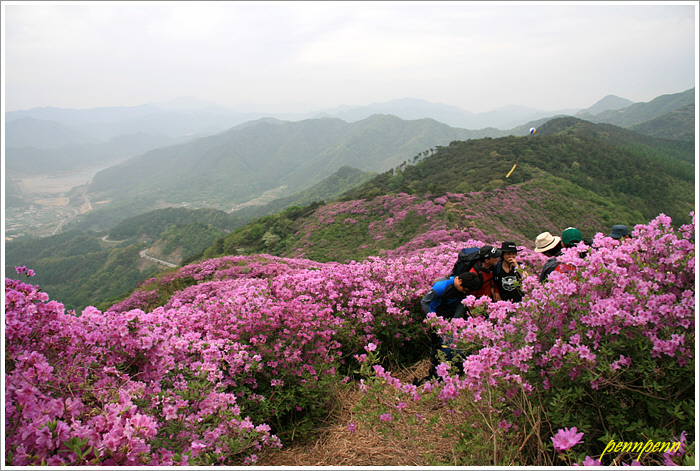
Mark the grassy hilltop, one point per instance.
(570, 173)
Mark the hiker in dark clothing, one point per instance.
(507, 278)
(620, 232)
(551, 246)
(484, 268)
(445, 299)
(572, 236)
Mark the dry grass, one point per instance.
(336, 445)
(55, 202)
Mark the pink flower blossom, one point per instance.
(588, 461)
(566, 438)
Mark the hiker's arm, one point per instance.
(427, 299)
(495, 293)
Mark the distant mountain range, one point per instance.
(570, 172)
(409, 108)
(50, 128)
(249, 160)
(103, 124)
(158, 160)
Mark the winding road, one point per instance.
(144, 254)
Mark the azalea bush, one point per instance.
(118, 388)
(606, 346)
(214, 362)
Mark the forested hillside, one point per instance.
(151, 225)
(269, 155)
(638, 113)
(330, 188)
(570, 172)
(637, 172)
(83, 267)
(678, 124)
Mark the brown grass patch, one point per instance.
(421, 444)
(55, 202)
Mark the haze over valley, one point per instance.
(169, 204)
(61, 164)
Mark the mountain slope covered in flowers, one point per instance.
(569, 173)
(242, 352)
(383, 224)
(230, 356)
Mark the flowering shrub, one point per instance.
(241, 342)
(606, 347)
(118, 389)
(220, 359)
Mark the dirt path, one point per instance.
(337, 445)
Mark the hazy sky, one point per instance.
(308, 56)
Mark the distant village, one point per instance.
(35, 220)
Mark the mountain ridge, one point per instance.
(299, 173)
(609, 102)
(244, 162)
(638, 113)
(618, 166)
(176, 119)
(571, 172)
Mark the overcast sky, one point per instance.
(309, 56)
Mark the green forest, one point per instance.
(570, 172)
(653, 175)
(81, 268)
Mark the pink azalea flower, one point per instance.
(566, 438)
(588, 461)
